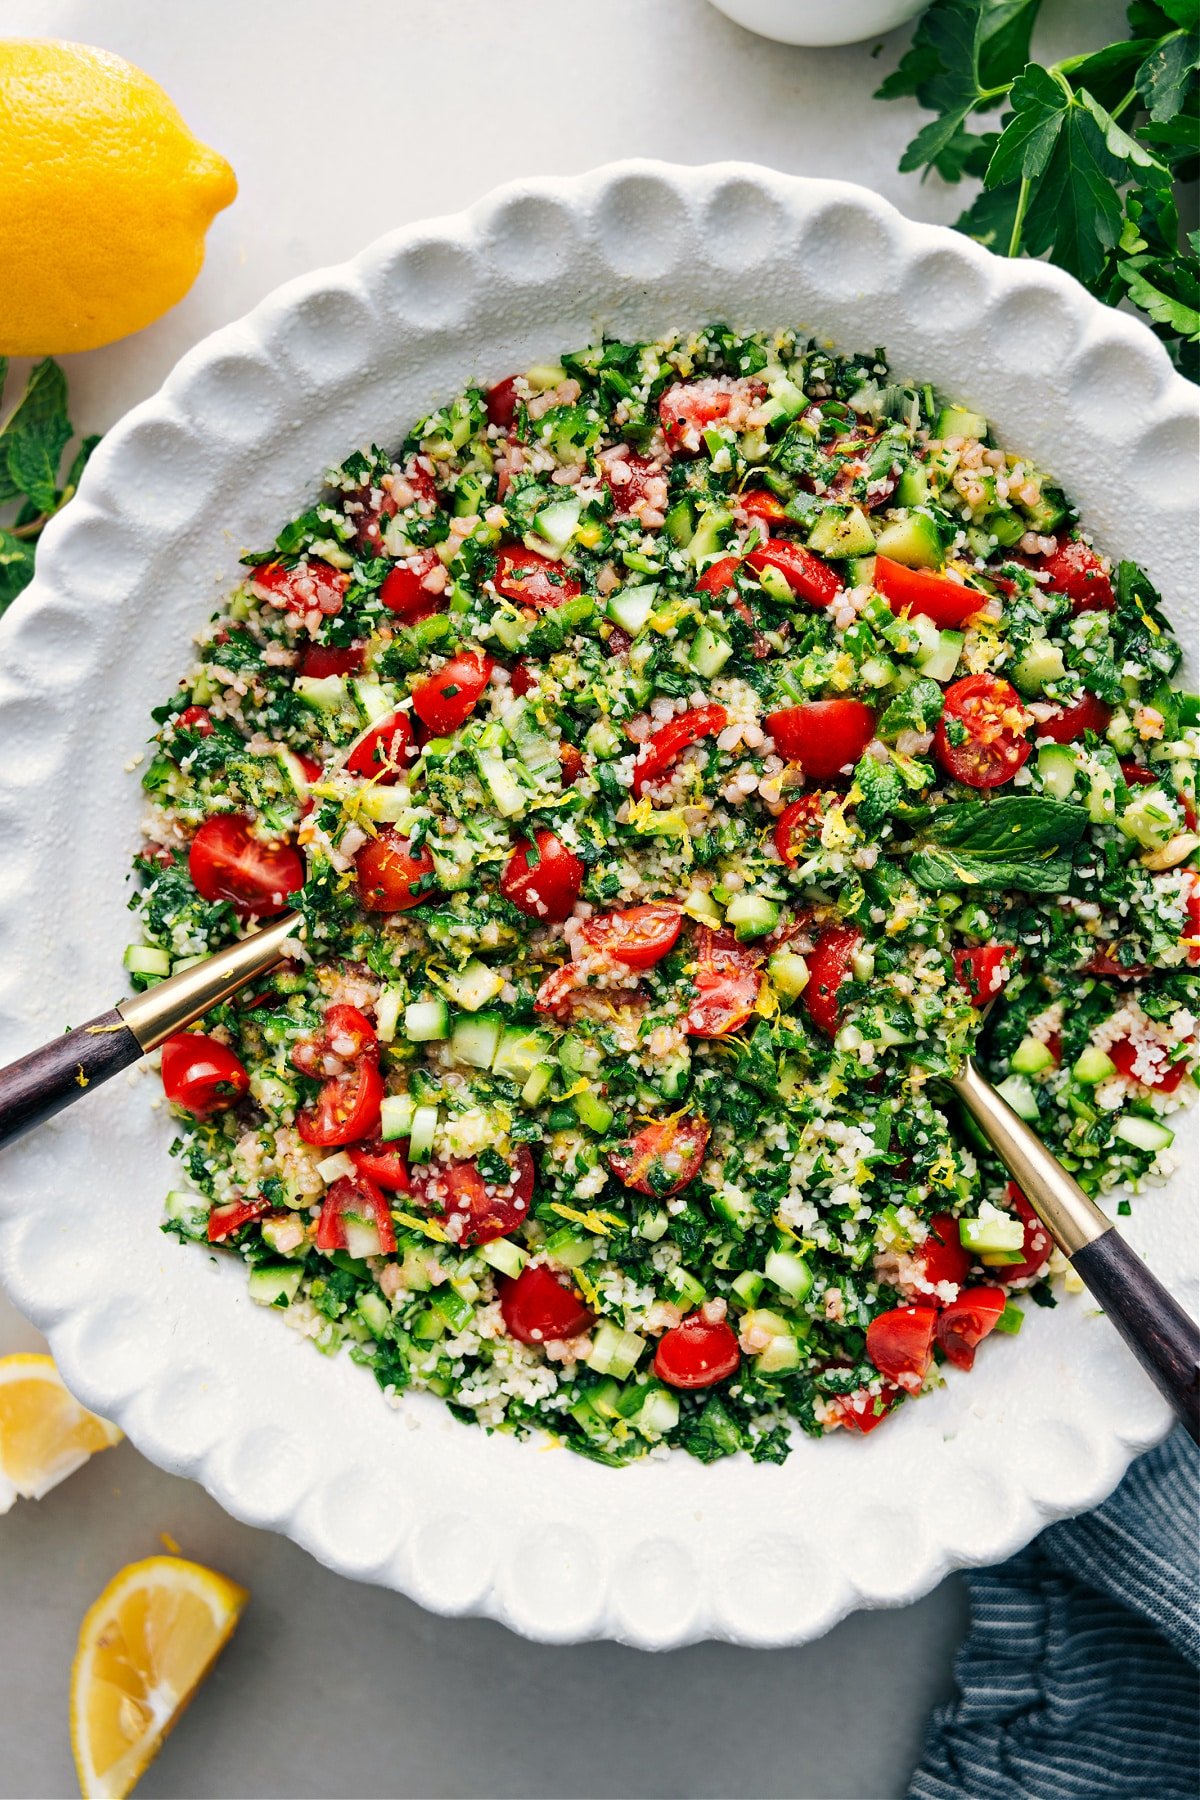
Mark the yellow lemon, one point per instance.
(44, 1432)
(144, 1648)
(105, 197)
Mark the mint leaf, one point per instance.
(33, 440)
(1028, 140)
(1011, 826)
(16, 567)
(80, 461)
(941, 871)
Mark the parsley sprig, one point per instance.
(34, 436)
(1084, 165)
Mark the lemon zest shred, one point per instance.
(426, 1227)
(591, 1219)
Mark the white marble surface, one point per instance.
(342, 121)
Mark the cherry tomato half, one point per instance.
(197, 719)
(900, 1344)
(942, 1256)
(227, 861)
(307, 586)
(1038, 1246)
(476, 1210)
(530, 579)
(828, 966)
(948, 603)
(542, 877)
(383, 753)
(384, 1164)
(522, 680)
(981, 736)
(345, 1034)
(764, 508)
(687, 408)
(346, 1109)
(537, 1307)
(502, 401)
(446, 700)
(663, 1156)
(404, 591)
(982, 971)
(1070, 722)
(225, 1221)
(665, 746)
(201, 1075)
(360, 1196)
(798, 827)
(626, 476)
(695, 1354)
(639, 936)
(390, 877)
(863, 1411)
(823, 736)
(1164, 1077)
(1076, 571)
(806, 574)
(320, 660)
(719, 576)
(964, 1324)
(728, 981)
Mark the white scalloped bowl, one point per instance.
(163, 1339)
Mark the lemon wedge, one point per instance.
(144, 1648)
(44, 1432)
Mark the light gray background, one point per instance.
(342, 121)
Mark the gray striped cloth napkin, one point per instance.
(1077, 1678)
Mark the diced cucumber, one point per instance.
(539, 1080)
(189, 1211)
(473, 986)
(426, 1020)
(1102, 771)
(271, 1090)
(362, 1236)
(332, 1168)
(774, 582)
(748, 1286)
(707, 540)
(538, 752)
(783, 1350)
(1010, 1320)
(1093, 1066)
(1040, 662)
(789, 1272)
(751, 916)
(375, 1313)
(545, 376)
(631, 607)
(1048, 512)
(1058, 765)
(1143, 1134)
(709, 653)
(860, 571)
(421, 1133)
(1020, 1096)
(592, 1112)
(991, 1236)
(579, 1055)
(685, 1289)
(144, 959)
(1149, 819)
(658, 1413)
(373, 702)
(913, 541)
(556, 524)
(324, 693)
(653, 1224)
(789, 972)
(956, 421)
(735, 1207)
(520, 1051)
(1120, 733)
(504, 1256)
(274, 1284)
(940, 662)
(615, 1352)
(790, 400)
(476, 1039)
(388, 1009)
(1030, 1057)
(456, 1313)
(508, 796)
(912, 489)
(568, 1249)
(601, 740)
(842, 531)
(1006, 526)
(395, 1116)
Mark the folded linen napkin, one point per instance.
(1077, 1678)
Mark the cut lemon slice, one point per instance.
(144, 1648)
(44, 1432)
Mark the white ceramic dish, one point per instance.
(163, 1338)
(819, 23)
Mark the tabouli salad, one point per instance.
(687, 741)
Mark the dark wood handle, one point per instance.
(1156, 1328)
(37, 1086)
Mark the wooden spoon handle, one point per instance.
(37, 1086)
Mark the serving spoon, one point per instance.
(1156, 1328)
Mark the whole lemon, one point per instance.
(105, 197)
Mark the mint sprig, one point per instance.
(34, 436)
(1084, 165)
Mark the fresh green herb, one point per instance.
(33, 438)
(1016, 842)
(1084, 165)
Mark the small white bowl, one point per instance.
(164, 1338)
(819, 23)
